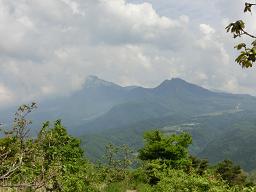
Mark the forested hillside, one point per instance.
(54, 161)
(103, 112)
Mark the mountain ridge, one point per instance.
(103, 112)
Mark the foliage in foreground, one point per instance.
(247, 56)
(54, 161)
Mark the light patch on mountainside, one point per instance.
(219, 113)
(179, 128)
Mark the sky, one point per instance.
(49, 47)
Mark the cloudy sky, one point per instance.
(49, 47)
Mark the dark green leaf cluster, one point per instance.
(248, 7)
(236, 28)
(231, 173)
(169, 149)
(247, 56)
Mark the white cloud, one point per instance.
(6, 96)
(123, 23)
(49, 47)
(74, 6)
(206, 29)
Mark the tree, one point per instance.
(231, 173)
(169, 149)
(119, 157)
(199, 165)
(15, 147)
(161, 152)
(177, 181)
(62, 158)
(118, 160)
(247, 56)
(52, 161)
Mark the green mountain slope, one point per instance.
(103, 112)
(238, 144)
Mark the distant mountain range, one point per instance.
(223, 125)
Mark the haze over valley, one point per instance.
(102, 112)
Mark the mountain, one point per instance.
(171, 97)
(237, 143)
(173, 106)
(102, 112)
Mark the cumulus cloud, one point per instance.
(6, 97)
(206, 29)
(49, 47)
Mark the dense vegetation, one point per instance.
(216, 136)
(109, 113)
(54, 161)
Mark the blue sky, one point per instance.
(48, 48)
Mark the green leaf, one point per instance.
(240, 46)
(254, 43)
(248, 7)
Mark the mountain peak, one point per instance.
(177, 85)
(93, 81)
(178, 80)
(173, 82)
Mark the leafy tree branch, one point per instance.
(247, 56)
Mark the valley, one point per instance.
(103, 112)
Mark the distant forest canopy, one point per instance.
(223, 127)
(54, 161)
